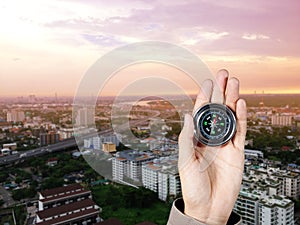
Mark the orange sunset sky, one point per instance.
(47, 46)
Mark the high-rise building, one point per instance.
(49, 138)
(282, 120)
(65, 133)
(162, 177)
(32, 99)
(115, 139)
(85, 117)
(247, 207)
(291, 184)
(276, 210)
(15, 116)
(98, 141)
(297, 122)
(128, 165)
(271, 185)
(257, 207)
(72, 204)
(289, 180)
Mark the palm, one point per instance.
(223, 174)
(211, 176)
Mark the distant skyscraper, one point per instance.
(15, 116)
(66, 133)
(49, 138)
(282, 120)
(32, 99)
(85, 117)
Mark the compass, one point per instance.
(215, 124)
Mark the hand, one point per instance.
(209, 195)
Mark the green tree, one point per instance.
(52, 182)
(23, 193)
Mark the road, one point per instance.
(47, 149)
(44, 150)
(71, 142)
(37, 152)
(6, 197)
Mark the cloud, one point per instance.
(103, 40)
(106, 40)
(202, 36)
(255, 37)
(213, 35)
(202, 24)
(60, 38)
(230, 21)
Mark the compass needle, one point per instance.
(215, 124)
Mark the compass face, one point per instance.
(215, 124)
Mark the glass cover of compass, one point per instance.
(215, 124)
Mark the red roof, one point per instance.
(65, 196)
(65, 208)
(285, 148)
(57, 191)
(52, 159)
(71, 217)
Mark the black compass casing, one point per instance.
(215, 124)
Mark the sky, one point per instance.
(46, 46)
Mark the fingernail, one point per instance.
(225, 73)
(185, 119)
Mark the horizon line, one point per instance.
(192, 94)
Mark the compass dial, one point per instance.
(215, 124)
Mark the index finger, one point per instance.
(220, 86)
(204, 95)
(212, 92)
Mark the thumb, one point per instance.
(186, 146)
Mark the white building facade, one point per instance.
(256, 207)
(162, 176)
(128, 165)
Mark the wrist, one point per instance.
(206, 216)
(217, 220)
(197, 214)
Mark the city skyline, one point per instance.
(48, 46)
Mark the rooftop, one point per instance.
(276, 200)
(269, 201)
(51, 212)
(61, 190)
(65, 195)
(164, 164)
(54, 159)
(71, 217)
(132, 155)
(275, 171)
